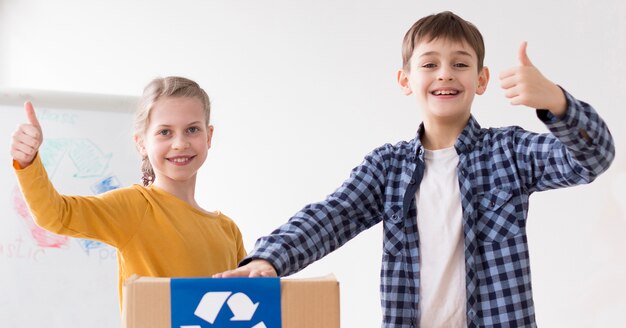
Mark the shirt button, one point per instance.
(493, 204)
(472, 313)
(412, 181)
(463, 172)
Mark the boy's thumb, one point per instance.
(523, 56)
(30, 114)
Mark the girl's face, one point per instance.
(176, 140)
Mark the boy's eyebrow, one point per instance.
(457, 52)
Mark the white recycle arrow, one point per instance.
(240, 305)
(210, 305)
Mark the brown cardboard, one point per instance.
(305, 303)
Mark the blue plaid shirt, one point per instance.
(499, 168)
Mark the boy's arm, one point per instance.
(322, 227)
(584, 150)
(583, 147)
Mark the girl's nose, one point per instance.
(181, 143)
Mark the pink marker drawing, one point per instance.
(42, 237)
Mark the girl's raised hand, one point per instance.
(27, 138)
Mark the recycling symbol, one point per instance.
(225, 302)
(240, 305)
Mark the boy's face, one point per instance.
(444, 78)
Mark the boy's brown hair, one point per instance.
(445, 25)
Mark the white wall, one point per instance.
(302, 90)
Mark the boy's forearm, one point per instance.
(584, 133)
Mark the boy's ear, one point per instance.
(139, 144)
(403, 81)
(483, 80)
(209, 135)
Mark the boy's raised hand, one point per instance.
(27, 138)
(525, 85)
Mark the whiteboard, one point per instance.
(85, 151)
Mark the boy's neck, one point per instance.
(441, 134)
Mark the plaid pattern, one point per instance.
(498, 170)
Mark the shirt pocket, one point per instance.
(498, 218)
(393, 231)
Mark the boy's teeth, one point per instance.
(445, 92)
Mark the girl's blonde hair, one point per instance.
(171, 86)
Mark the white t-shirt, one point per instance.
(442, 262)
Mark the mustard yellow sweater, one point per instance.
(155, 233)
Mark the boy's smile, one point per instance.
(444, 78)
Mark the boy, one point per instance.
(463, 188)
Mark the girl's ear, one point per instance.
(139, 144)
(403, 82)
(209, 132)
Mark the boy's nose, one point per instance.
(445, 74)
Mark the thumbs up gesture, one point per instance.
(27, 138)
(525, 85)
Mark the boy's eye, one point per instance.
(193, 129)
(429, 65)
(462, 65)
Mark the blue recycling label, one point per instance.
(225, 302)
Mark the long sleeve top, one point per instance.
(155, 233)
(498, 170)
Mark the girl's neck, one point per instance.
(183, 190)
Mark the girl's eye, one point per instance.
(193, 129)
(164, 132)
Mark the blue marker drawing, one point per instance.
(52, 152)
(88, 245)
(88, 159)
(106, 184)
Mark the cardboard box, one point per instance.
(304, 303)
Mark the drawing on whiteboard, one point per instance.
(104, 185)
(87, 158)
(89, 161)
(42, 237)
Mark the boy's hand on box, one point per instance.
(27, 138)
(525, 85)
(256, 268)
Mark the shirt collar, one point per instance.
(464, 143)
(468, 137)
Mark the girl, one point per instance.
(158, 229)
